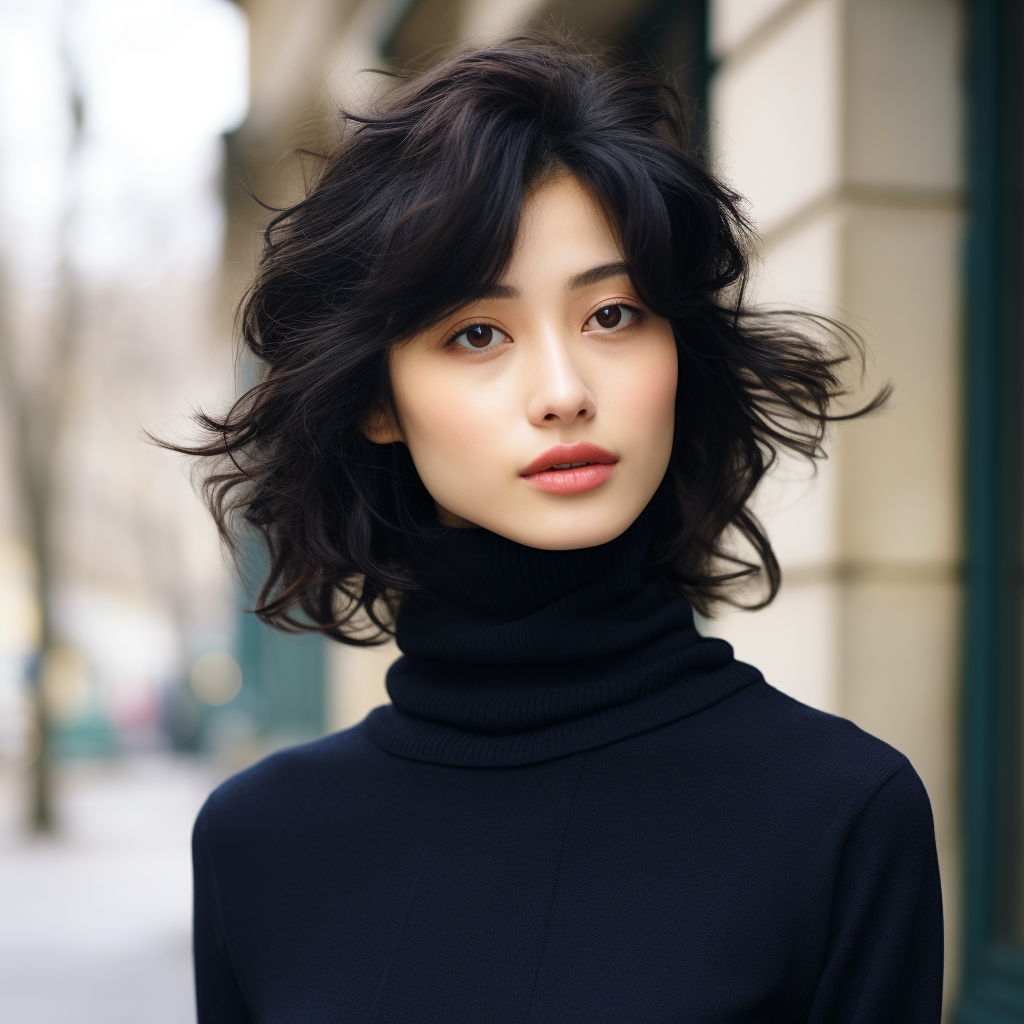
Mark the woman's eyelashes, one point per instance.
(479, 338)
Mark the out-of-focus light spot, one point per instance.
(66, 686)
(215, 678)
(162, 72)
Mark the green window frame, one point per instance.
(992, 989)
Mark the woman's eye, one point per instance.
(609, 318)
(480, 337)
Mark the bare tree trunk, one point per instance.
(37, 415)
(38, 406)
(35, 458)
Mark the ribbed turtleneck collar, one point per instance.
(514, 655)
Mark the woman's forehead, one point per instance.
(563, 233)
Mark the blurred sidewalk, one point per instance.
(94, 925)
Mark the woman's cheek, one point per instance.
(661, 398)
(645, 398)
(450, 437)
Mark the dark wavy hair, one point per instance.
(412, 213)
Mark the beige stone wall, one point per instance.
(840, 121)
(356, 682)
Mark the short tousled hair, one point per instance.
(410, 214)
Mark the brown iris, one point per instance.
(609, 316)
(479, 335)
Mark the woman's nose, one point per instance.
(558, 392)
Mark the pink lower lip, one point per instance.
(571, 481)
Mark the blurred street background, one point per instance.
(879, 145)
(95, 924)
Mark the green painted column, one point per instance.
(283, 681)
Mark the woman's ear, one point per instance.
(382, 427)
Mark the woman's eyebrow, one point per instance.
(597, 274)
(495, 291)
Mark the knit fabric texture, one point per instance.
(514, 655)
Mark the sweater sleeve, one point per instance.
(883, 963)
(218, 997)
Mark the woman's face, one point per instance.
(543, 412)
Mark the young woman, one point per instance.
(513, 409)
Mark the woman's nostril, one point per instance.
(555, 416)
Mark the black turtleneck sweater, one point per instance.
(576, 810)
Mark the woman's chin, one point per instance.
(565, 530)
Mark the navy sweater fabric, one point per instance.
(576, 809)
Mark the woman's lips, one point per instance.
(571, 481)
(570, 468)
